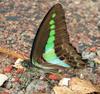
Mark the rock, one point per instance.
(3, 10)
(98, 53)
(37, 85)
(82, 47)
(12, 18)
(14, 30)
(1, 28)
(93, 38)
(21, 92)
(3, 78)
(8, 69)
(92, 49)
(9, 85)
(18, 64)
(53, 77)
(88, 55)
(64, 82)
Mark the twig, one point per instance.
(13, 53)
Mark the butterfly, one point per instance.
(51, 48)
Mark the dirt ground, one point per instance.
(19, 22)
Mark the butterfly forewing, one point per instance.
(43, 32)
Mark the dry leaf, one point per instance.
(62, 90)
(81, 86)
(13, 53)
(77, 86)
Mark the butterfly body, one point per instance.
(51, 47)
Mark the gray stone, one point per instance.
(36, 85)
(14, 30)
(1, 29)
(82, 47)
(88, 55)
(12, 18)
(3, 10)
(21, 92)
(93, 38)
(8, 85)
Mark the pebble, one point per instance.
(1, 29)
(12, 18)
(93, 38)
(92, 49)
(88, 55)
(26, 38)
(8, 85)
(53, 77)
(81, 76)
(14, 30)
(64, 82)
(21, 92)
(3, 78)
(92, 64)
(11, 40)
(3, 10)
(8, 69)
(18, 63)
(81, 47)
(36, 85)
(98, 53)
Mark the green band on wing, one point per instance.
(53, 15)
(52, 33)
(52, 27)
(52, 22)
(51, 58)
(49, 46)
(51, 39)
(49, 55)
